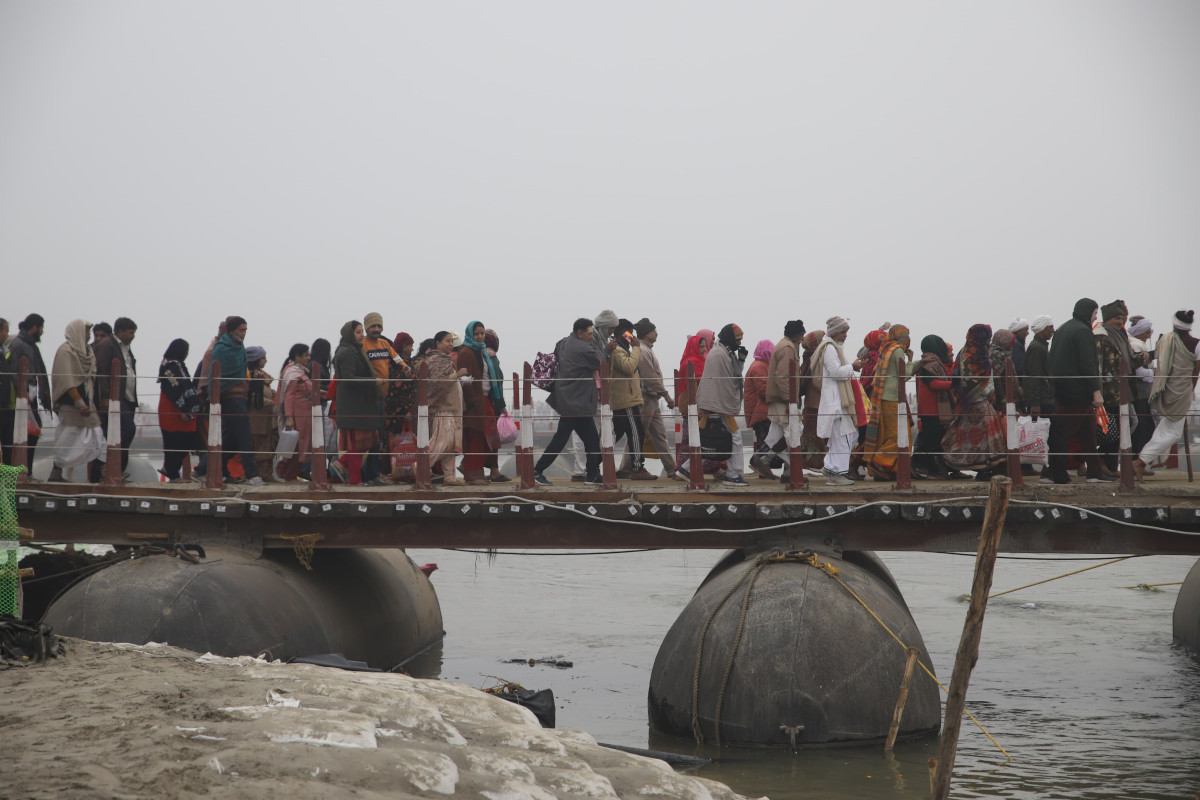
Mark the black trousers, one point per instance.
(628, 423)
(585, 427)
(128, 431)
(1071, 420)
(1145, 427)
(929, 445)
(176, 446)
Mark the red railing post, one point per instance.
(525, 437)
(1126, 441)
(20, 448)
(318, 468)
(795, 454)
(1010, 411)
(695, 459)
(215, 476)
(112, 466)
(608, 465)
(903, 428)
(422, 473)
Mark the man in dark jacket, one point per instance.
(1112, 345)
(26, 345)
(576, 398)
(1036, 385)
(1075, 369)
(107, 349)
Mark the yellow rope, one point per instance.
(1067, 575)
(832, 572)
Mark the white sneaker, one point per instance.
(256, 481)
(838, 479)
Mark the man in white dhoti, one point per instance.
(836, 420)
(1178, 356)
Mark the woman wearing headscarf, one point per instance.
(882, 446)
(870, 358)
(975, 439)
(756, 392)
(719, 398)
(261, 401)
(358, 423)
(400, 401)
(480, 441)
(445, 397)
(179, 403)
(72, 387)
(1000, 351)
(295, 402)
(693, 353)
(934, 407)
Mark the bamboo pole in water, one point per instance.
(902, 699)
(968, 646)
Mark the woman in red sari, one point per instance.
(975, 439)
(694, 353)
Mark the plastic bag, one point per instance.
(403, 447)
(287, 444)
(507, 428)
(1033, 440)
(75, 446)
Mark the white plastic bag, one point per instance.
(1033, 440)
(76, 446)
(287, 444)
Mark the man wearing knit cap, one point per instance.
(1020, 330)
(379, 352)
(654, 390)
(603, 324)
(1035, 382)
(1075, 368)
(786, 353)
(837, 418)
(1178, 355)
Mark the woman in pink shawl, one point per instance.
(294, 403)
(756, 392)
(694, 353)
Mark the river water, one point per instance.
(1077, 679)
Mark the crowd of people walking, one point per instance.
(852, 422)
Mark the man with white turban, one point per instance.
(1140, 331)
(1020, 329)
(1178, 355)
(837, 419)
(1036, 387)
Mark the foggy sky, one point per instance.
(303, 163)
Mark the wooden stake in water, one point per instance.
(968, 646)
(902, 699)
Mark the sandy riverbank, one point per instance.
(125, 721)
